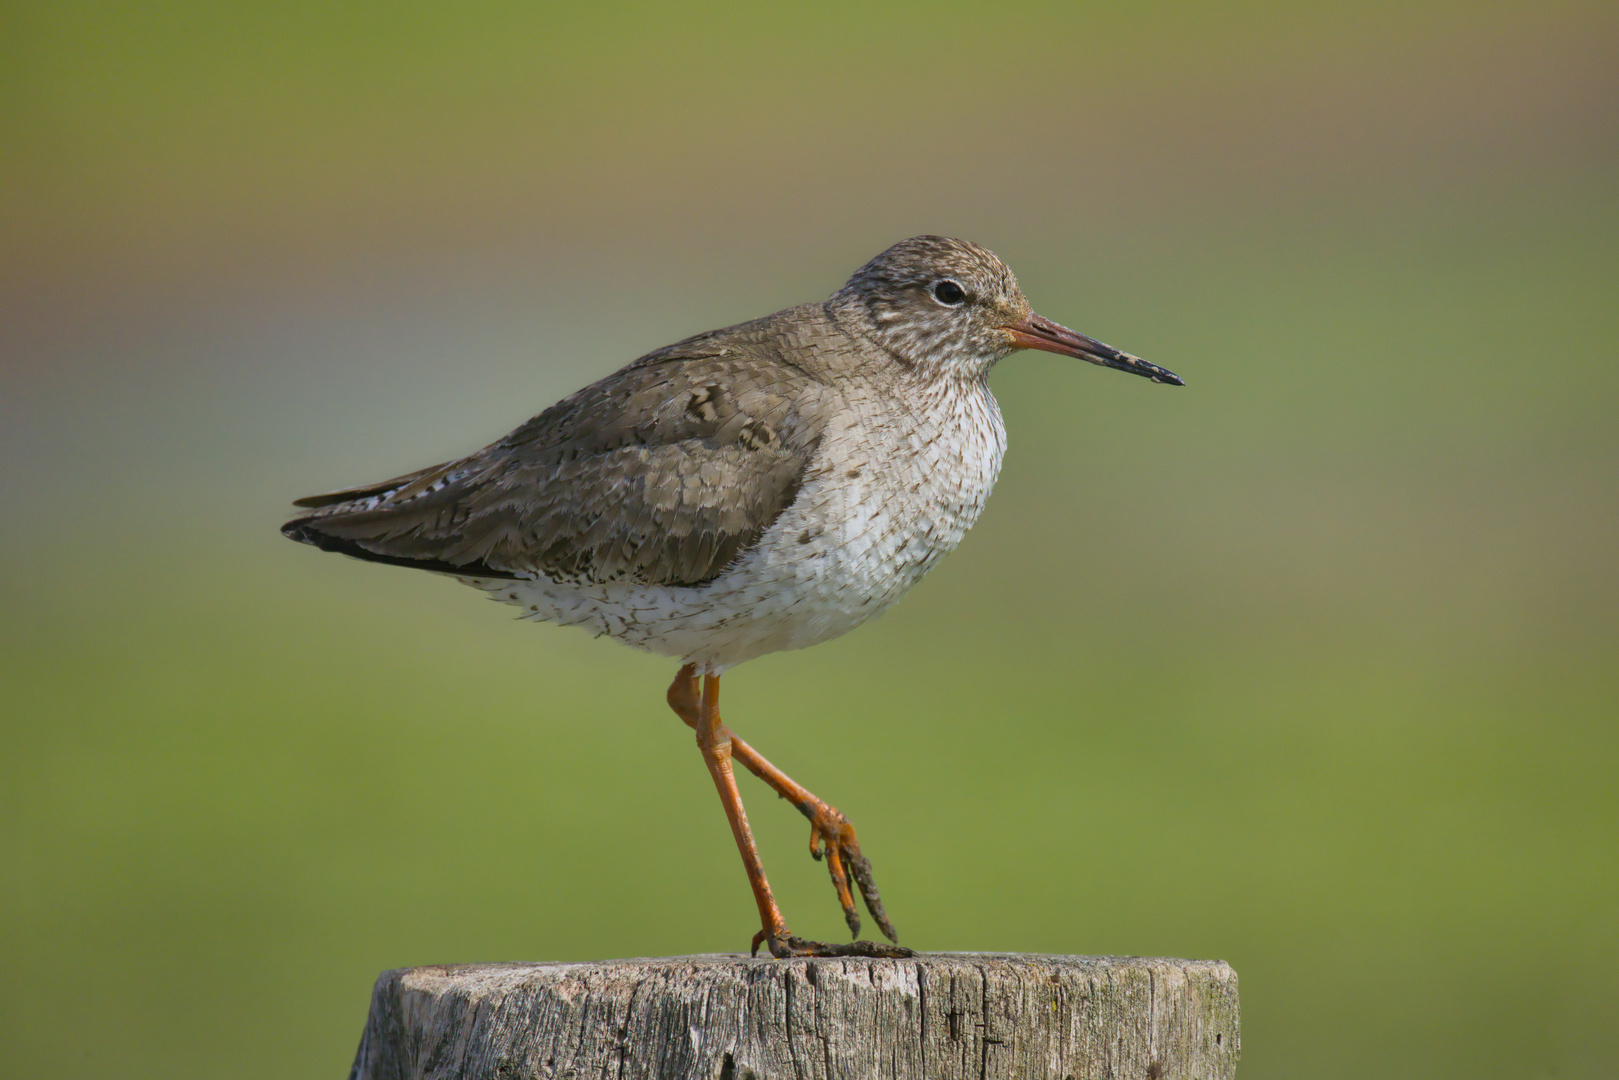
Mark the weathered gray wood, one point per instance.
(934, 1017)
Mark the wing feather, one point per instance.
(399, 484)
(662, 473)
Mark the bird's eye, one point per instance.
(949, 293)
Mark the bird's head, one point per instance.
(951, 307)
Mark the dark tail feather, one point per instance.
(305, 531)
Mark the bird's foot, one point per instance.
(785, 945)
(832, 837)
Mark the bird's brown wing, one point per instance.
(659, 474)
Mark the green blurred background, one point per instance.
(1309, 666)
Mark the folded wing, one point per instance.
(662, 474)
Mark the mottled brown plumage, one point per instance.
(659, 474)
(761, 487)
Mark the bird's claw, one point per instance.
(831, 835)
(785, 945)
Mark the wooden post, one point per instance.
(936, 1016)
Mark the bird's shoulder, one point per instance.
(750, 383)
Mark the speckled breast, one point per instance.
(890, 492)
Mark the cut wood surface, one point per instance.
(935, 1016)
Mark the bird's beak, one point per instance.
(1037, 332)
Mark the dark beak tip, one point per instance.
(1038, 332)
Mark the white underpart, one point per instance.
(845, 551)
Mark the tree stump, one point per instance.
(935, 1016)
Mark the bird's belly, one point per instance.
(846, 550)
(786, 593)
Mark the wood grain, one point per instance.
(937, 1016)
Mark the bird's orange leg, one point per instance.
(702, 713)
(697, 703)
(831, 833)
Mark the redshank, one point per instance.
(766, 486)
